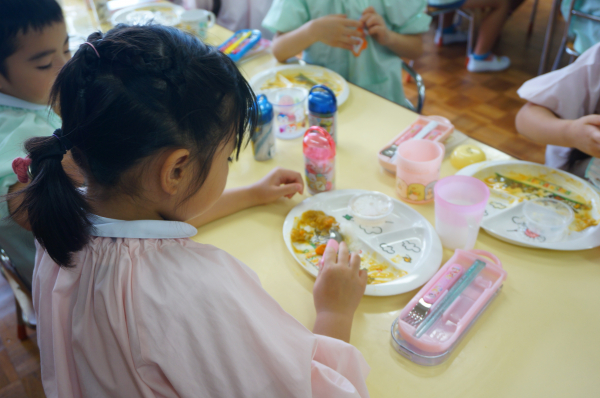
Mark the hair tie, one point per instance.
(21, 168)
(91, 45)
(64, 142)
(58, 151)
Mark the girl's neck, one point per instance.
(121, 206)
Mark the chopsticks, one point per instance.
(449, 298)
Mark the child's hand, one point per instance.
(278, 183)
(341, 283)
(336, 31)
(375, 26)
(584, 133)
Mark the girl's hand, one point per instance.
(375, 26)
(341, 283)
(584, 133)
(336, 31)
(278, 183)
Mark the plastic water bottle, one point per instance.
(319, 160)
(263, 139)
(322, 109)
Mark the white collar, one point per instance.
(141, 229)
(8, 100)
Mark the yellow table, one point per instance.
(538, 338)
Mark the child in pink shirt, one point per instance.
(128, 305)
(563, 111)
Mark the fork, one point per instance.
(419, 311)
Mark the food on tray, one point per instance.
(305, 79)
(527, 187)
(309, 237)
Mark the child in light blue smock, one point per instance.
(362, 40)
(586, 31)
(33, 47)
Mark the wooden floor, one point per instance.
(481, 105)
(19, 360)
(484, 105)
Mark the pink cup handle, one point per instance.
(489, 255)
(443, 283)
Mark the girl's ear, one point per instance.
(173, 171)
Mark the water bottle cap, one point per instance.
(265, 109)
(322, 100)
(318, 144)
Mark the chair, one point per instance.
(440, 11)
(23, 299)
(420, 89)
(564, 47)
(532, 18)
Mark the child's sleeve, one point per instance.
(407, 17)
(286, 15)
(208, 329)
(20, 129)
(570, 92)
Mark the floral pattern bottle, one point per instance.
(319, 160)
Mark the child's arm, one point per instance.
(333, 30)
(278, 183)
(404, 46)
(541, 125)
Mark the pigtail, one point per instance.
(56, 209)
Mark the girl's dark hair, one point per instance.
(152, 87)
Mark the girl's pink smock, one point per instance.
(147, 312)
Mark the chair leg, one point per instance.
(21, 329)
(440, 30)
(532, 18)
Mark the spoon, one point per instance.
(334, 234)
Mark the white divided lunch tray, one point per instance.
(305, 76)
(504, 219)
(406, 245)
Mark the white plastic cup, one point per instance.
(289, 106)
(198, 22)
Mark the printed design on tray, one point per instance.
(410, 246)
(348, 217)
(498, 205)
(371, 230)
(387, 248)
(527, 233)
(320, 176)
(399, 258)
(309, 237)
(485, 213)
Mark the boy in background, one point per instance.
(33, 47)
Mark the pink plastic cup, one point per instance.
(417, 169)
(459, 207)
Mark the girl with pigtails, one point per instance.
(127, 304)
